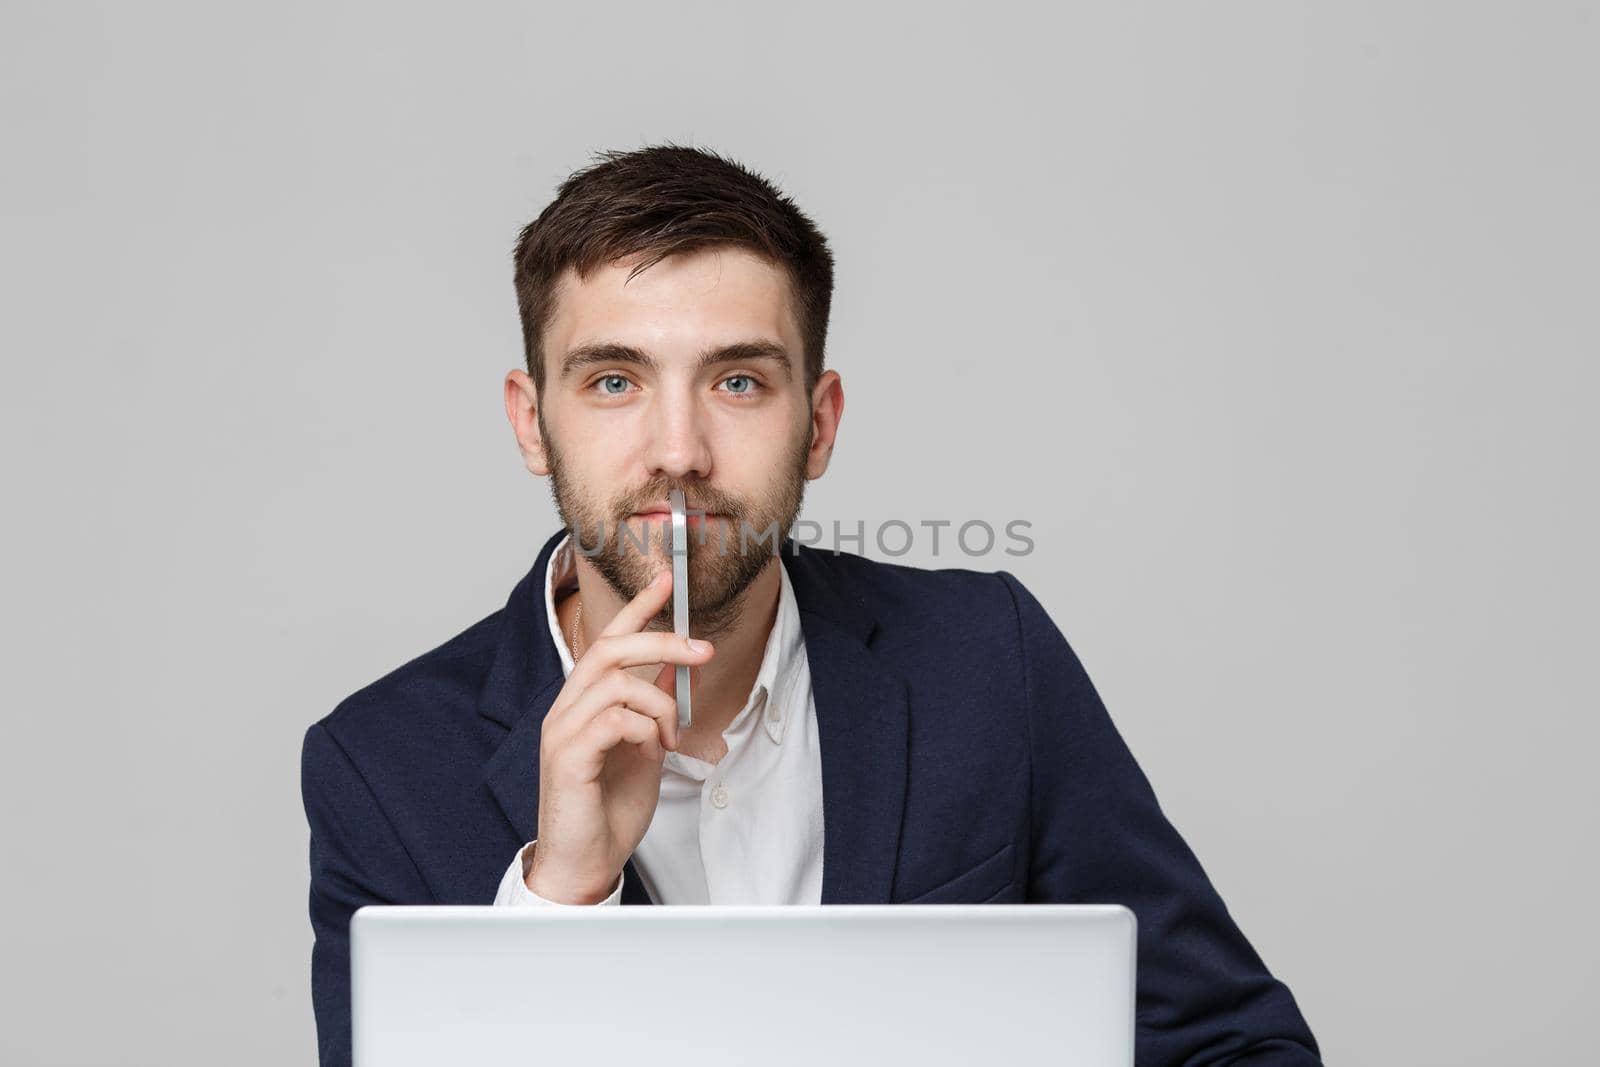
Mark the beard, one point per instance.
(727, 551)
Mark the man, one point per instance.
(862, 732)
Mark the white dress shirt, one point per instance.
(746, 829)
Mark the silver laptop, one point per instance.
(823, 986)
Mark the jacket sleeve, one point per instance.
(356, 859)
(1098, 836)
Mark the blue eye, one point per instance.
(613, 378)
(751, 385)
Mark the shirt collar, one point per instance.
(783, 658)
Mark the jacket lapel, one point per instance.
(863, 731)
(862, 722)
(523, 680)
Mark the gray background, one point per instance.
(1276, 320)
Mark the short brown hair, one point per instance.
(661, 200)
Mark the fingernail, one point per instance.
(696, 645)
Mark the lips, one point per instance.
(666, 515)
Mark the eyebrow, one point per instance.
(738, 352)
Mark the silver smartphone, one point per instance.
(679, 548)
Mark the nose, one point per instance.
(678, 449)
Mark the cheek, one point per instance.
(607, 445)
(758, 467)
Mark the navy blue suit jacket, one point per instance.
(966, 758)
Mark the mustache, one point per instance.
(703, 500)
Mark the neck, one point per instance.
(721, 687)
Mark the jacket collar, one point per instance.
(862, 704)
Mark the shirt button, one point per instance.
(719, 796)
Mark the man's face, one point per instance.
(632, 408)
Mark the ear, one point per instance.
(827, 408)
(522, 409)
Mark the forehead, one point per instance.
(686, 301)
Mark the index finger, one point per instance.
(643, 607)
